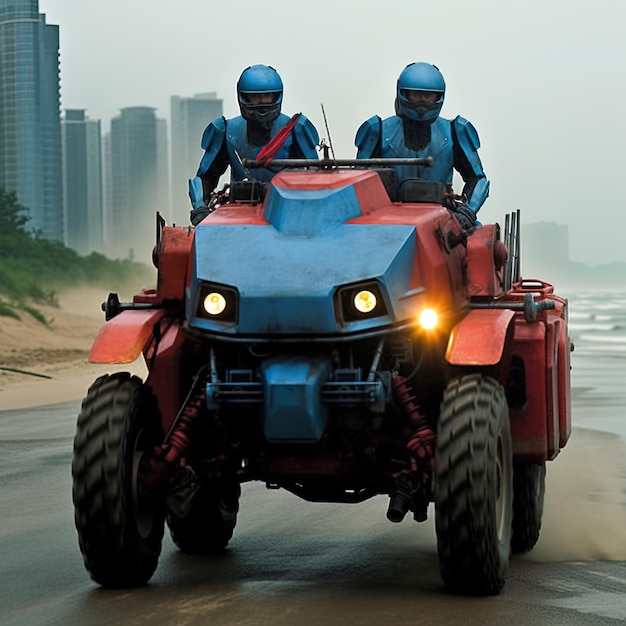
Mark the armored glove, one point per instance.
(216, 200)
(465, 216)
(198, 214)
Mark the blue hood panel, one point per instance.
(310, 211)
(288, 271)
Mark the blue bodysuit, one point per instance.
(453, 145)
(226, 142)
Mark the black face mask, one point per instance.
(263, 115)
(416, 134)
(258, 134)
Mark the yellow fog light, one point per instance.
(214, 303)
(428, 319)
(364, 301)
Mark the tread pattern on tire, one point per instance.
(472, 558)
(116, 553)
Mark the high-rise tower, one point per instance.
(82, 182)
(136, 192)
(189, 118)
(30, 124)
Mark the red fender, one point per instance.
(122, 338)
(479, 338)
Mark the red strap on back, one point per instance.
(270, 150)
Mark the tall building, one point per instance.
(107, 187)
(133, 169)
(189, 117)
(163, 171)
(82, 182)
(30, 121)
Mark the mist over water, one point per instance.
(585, 506)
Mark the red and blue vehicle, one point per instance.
(323, 338)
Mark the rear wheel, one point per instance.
(529, 487)
(120, 527)
(209, 524)
(474, 486)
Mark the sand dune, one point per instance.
(52, 360)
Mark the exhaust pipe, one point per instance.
(400, 499)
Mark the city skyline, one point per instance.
(541, 82)
(548, 146)
(95, 189)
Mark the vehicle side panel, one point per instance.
(174, 254)
(542, 424)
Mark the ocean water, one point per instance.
(597, 326)
(585, 507)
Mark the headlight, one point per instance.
(217, 302)
(428, 319)
(365, 301)
(214, 303)
(362, 301)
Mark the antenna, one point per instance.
(245, 169)
(330, 141)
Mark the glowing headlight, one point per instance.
(428, 319)
(360, 302)
(218, 303)
(364, 301)
(214, 303)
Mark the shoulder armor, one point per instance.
(213, 134)
(307, 137)
(466, 133)
(368, 137)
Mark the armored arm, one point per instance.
(212, 165)
(305, 140)
(467, 163)
(368, 139)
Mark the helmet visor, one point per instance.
(255, 98)
(420, 96)
(421, 102)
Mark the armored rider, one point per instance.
(227, 142)
(417, 130)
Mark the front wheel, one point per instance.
(473, 486)
(120, 526)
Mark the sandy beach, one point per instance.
(42, 364)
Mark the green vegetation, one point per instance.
(34, 270)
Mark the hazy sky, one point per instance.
(543, 81)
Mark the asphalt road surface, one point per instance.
(290, 562)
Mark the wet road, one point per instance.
(290, 562)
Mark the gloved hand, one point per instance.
(216, 200)
(465, 217)
(198, 214)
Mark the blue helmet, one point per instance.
(420, 92)
(260, 79)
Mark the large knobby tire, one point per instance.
(120, 528)
(529, 488)
(209, 524)
(473, 486)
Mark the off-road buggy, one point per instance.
(328, 338)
